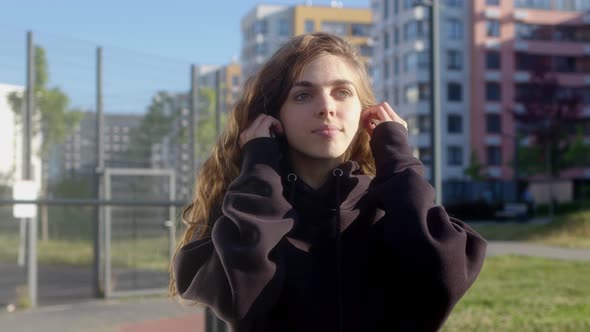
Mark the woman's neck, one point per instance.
(313, 171)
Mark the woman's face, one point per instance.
(321, 114)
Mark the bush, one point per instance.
(473, 210)
(563, 208)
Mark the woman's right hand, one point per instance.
(263, 126)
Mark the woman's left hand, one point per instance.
(376, 114)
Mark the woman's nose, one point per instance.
(326, 105)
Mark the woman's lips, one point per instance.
(326, 131)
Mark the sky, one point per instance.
(148, 45)
(199, 31)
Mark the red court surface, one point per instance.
(193, 322)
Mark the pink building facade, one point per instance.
(505, 39)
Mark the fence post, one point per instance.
(98, 238)
(193, 113)
(27, 173)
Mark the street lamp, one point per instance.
(435, 116)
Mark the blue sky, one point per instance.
(148, 45)
(197, 31)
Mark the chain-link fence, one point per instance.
(95, 112)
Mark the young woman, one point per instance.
(312, 214)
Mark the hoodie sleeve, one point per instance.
(236, 272)
(433, 258)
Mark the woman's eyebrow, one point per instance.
(309, 84)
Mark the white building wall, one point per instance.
(11, 141)
(385, 88)
(262, 36)
(10, 137)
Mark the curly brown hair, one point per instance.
(265, 93)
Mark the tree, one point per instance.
(475, 168)
(155, 125)
(551, 116)
(55, 118)
(205, 130)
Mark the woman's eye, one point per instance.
(303, 96)
(343, 93)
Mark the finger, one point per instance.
(382, 115)
(248, 133)
(264, 129)
(390, 111)
(257, 122)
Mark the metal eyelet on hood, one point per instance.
(292, 177)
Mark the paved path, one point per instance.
(126, 315)
(160, 314)
(526, 249)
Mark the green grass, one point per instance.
(568, 230)
(144, 253)
(524, 294)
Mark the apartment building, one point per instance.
(401, 76)
(266, 27)
(226, 79)
(508, 37)
(486, 47)
(77, 154)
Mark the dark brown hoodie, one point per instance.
(358, 254)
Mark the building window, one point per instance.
(395, 65)
(366, 50)
(413, 61)
(309, 26)
(454, 91)
(385, 9)
(454, 60)
(423, 124)
(423, 91)
(235, 80)
(454, 3)
(455, 155)
(535, 4)
(409, 4)
(493, 91)
(454, 29)
(395, 36)
(526, 31)
(493, 124)
(260, 27)
(415, 29)
(493, 2)
(494, 155)
(410, 94)
(385, 40)
(493, 59)
(362, 30)
(493, 28)
(454, 124)
(337, 28)
(424, 155)
(409, 62)
(283, 27)
(423, 60)
(386, 70)
(261, 49)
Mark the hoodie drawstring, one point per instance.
(338, 174)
